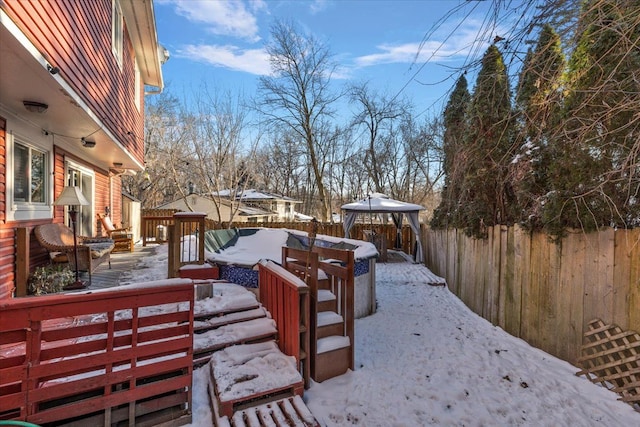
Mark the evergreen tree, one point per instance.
(486, 197)
(538, 101)
(453, 153)
(595, 172)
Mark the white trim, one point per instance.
(117, 32)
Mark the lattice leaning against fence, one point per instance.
(611, 357)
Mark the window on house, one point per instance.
(29, 174)
(117, 31)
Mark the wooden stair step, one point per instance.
(333, 357)
(254, 330)
(216, 321)
(326, 318)
(223, 298)
(287, 412)
(252, 374)
(331, 343)
(329, 323)
(325, 295)
(327, 301)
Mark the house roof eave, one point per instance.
(141, 24)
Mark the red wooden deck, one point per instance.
(103, 357)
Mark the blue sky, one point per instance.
(407, 48)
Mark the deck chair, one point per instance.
(92, 251)
(122, 237)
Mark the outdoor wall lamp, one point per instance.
(53, 70)
(88, 144)
(35, 107)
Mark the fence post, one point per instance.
(172, 251)
(22, 261)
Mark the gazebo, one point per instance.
(380, 203)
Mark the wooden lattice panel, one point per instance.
(611, 357)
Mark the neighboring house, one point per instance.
(198, 203)
(283, 206)
(73, 76)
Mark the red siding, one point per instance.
(75, 36)
(3, 169)
(103, 198)
(7, 258)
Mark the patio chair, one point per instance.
(122, 237)
(92, 251)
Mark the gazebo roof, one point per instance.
(379, 203)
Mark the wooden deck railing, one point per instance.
(186, 241)
(286, 297)
(151, 219)
(339, 268)
(101, 358)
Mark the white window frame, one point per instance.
(33, 140)
(70, 164)
(117, 32)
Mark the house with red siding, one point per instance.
(73, 75)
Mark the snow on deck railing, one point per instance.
(286, 297)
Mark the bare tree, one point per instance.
(222, 147)
(376, 113)
(279, 163)
(165, 133)
(297, 95)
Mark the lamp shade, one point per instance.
(71, 196)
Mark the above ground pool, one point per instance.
(237, 251)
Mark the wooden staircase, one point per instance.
(329, 273)
(256, 360)
(261, 356)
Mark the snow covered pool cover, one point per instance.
(266, 243)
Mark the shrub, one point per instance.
(50, 279)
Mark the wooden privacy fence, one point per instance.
(99, 358)
(542, 292)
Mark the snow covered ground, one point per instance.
(425, 359)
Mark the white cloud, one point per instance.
(253, 61)
(455, 45)
(223, 17)
(317, 6)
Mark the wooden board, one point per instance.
(287, 412)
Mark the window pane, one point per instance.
(20, 173)
(38, 176)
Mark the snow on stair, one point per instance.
(240, 316)
(291, 411)
(328, 318)
(331, 343)
(243, 373)
(227, 297)
(226, 335)
(325, 295)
